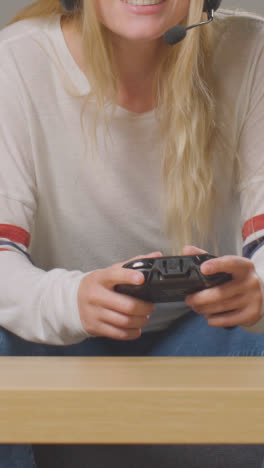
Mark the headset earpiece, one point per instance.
(211, 5)
(70, 5)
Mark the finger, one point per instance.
(114, 275)
(121, 302)
(233, 318)
(236, 302)
(123, 321)
(237, 266)
(192, 250)
(115, 333)
(220, 293)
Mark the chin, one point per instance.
(142, 35)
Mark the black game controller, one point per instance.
(171, 279)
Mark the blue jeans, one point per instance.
(188, 336)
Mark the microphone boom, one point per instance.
(178, 33)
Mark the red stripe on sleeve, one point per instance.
(15, 234)
(5, 250)
(253, 225)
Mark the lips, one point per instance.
(143, 8)
(142, 2)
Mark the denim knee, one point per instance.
(12, 345)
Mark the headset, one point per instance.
(70, 5)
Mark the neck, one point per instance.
(136, 62)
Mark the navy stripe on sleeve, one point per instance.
(252, 247)
(6, 243)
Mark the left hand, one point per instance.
(237, 302)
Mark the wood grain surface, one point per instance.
(132, 400)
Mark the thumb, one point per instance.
(192, 250)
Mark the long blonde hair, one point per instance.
(185, 109)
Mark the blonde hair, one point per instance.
(185, 109)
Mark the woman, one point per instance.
(116, 145)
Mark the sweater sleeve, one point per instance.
(37, 305)
(251, 152)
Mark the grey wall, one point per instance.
(9, 8)
(257, 6)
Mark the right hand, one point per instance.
(105, 312)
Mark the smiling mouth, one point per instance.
(143, 2)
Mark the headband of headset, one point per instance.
(70, 5)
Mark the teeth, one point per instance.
(142, 2)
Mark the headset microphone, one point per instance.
(178, 33)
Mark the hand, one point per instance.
(105, 312)
(237, 302)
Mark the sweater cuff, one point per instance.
(61, 311)
(75, 323)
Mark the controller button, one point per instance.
(138, 265)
